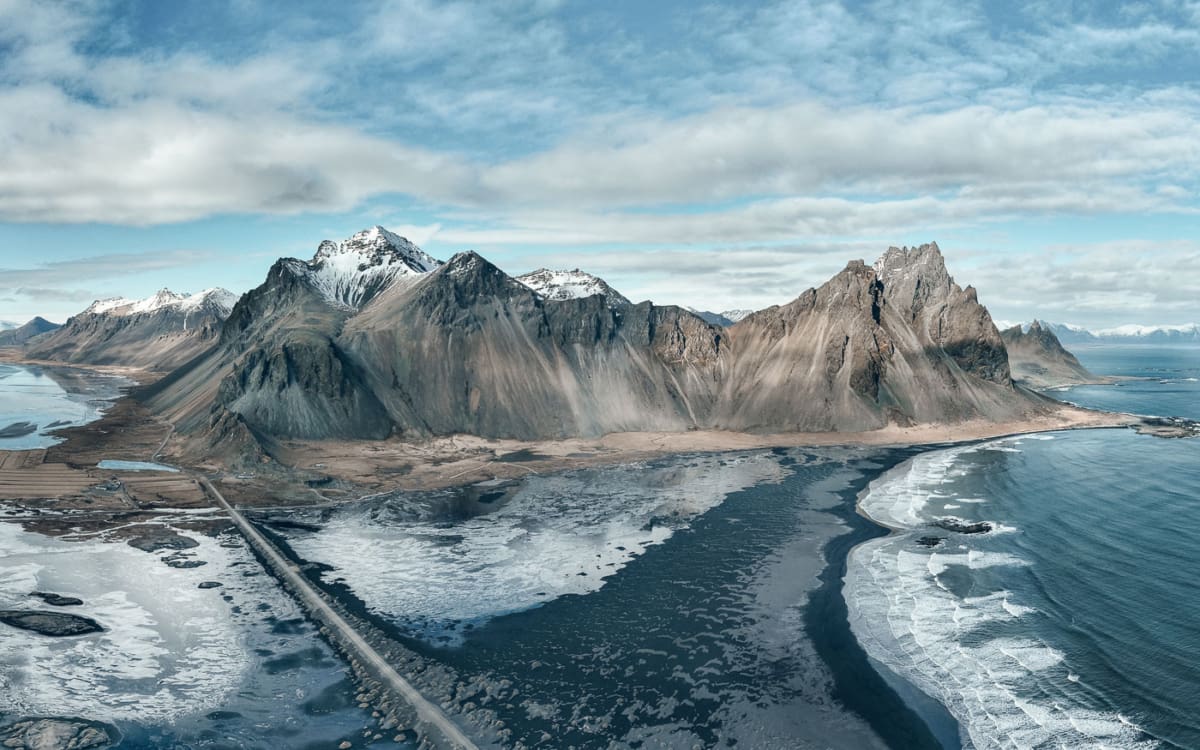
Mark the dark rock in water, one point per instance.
(57, 600)
(222, 715)
(153, 541)
(290, 524)
(56, 624)
(18, 429)
(209, 585)
(930, 541)
(961, 526)
(177, 563)
(58, 423)
(58, 734)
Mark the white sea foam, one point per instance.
(560, 534)
(951, 646)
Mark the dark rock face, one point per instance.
(960, 526)
(465, 348)
(55, 600)
(58, 734)
(209, 585)
(1039, 360)
(25, 333)
(161, 539)
(55, 624)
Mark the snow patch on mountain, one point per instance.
(574, 284)
(350, 273)
(220, 300)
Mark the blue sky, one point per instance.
(716, 155)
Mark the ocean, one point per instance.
(1075, 622)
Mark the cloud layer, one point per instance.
(542, 125)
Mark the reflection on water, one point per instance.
(48, 398)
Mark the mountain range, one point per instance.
(373, 338)
(158, 333)
(1188, 333)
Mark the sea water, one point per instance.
(50, 398)
(1075, 622)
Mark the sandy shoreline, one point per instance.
(395, 465)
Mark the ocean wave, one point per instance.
(1005, 689)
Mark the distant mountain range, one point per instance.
(160, 332)
(725, 318)
(19, 335)
(1188, 333)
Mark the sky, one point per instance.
(716, 155)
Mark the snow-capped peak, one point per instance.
(351, 272)
(736, 315)
(574, 284)
(221, 300)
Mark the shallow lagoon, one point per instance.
(50, 398)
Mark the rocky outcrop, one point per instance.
(1039, 360)
(465, 348)
(54, 624)
(23, 334)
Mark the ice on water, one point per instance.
(561, 534)
(168, 649)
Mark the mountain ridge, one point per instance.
(464, 348)
(22, 334)
(160, 332)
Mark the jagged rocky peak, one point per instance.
(573, 284)
(474, 276)
(352, 272)
(915, 275)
